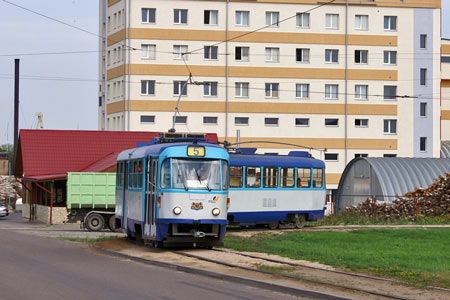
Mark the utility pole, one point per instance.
(16, 108)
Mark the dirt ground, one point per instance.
(124, 246)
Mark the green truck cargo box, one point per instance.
(91, 190)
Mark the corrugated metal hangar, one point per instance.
(385, 178)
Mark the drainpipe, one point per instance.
(226, 70)
(346, 83)
(129, 59)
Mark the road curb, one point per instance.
(247, 281)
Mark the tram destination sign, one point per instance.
(196, 151)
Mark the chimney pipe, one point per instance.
(16, 111)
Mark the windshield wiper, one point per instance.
(199, 180)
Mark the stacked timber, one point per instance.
(9, 186)
(430, 202)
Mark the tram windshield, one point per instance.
(193, 174)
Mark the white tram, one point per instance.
(173, 194)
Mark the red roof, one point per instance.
(46, 154)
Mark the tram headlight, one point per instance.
(216, 212)
(177, 210)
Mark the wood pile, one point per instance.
(15, 192)
(430, 202)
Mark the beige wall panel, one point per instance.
(259, 37)
(332, 178)
(445, 115)
(274, 108)
(112, 2)
(115, 107)
(114, 72)
(263, 72)
(115, 37)
(320, 143)
(388, 3)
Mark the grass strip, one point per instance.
(416, 256)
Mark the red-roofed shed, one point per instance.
(44, 157)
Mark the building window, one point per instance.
(423, 76)
(361, 122)
(147, 87)
(390, 92)
(331, 122)
(361, 22)
(390, 57)
(179, 51)
(180, 16)
(210, 89)
(389, 155)
(423, 41)
(100, 101)
(147, 119)
(272, 54)
(331, 156)
(211, 17)
(148, 15)
(301, 122)
(302, 55)
(423, 109)
(423, 144)
(272, 18)
(302, 90)
(331, 91)
(361, 92)
(302, 20)
(361, 155)
(210, 52)
(361, 56)
(272, 90)
(242, 18)
(148, 51)
(390, 126)
(241, 121)
(390, 23)
(332, 21)
(180, 87)
(271, 121)
(242, 53)
(209, 120)
(181, 120)
(331, 55)
(241, 89)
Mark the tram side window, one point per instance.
(119, 174)
(287, 177)
(132, 182)
(270, 177)
(139, 173)
(165, 174)
(303, 178)
(236, 176)
(317, 178)
(253, 177)
(224, 175)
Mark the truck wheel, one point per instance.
(112, 224)
(95, 222)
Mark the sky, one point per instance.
(62, 87)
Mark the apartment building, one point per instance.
(354, 78)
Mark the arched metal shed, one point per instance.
(445, 149)
(385, 178)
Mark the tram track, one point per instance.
(361, 293)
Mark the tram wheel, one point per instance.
(300, 221)
(157, 244)
(273, 225)
(95, 222)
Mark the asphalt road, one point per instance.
(36, 267)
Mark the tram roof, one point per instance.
(157, 149)
(256, 160)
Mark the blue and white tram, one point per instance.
(173, 194)
(275, 189)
